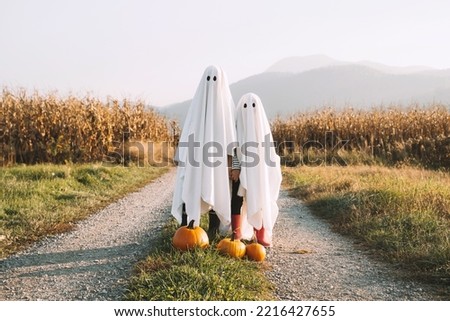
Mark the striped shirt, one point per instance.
(235, 164)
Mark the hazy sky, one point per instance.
(158, 50)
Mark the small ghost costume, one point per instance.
(260, 175)
(207, 137)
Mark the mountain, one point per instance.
(306, 63)
(340, 86)
(318, 81)
(301, 64)
(394, 69)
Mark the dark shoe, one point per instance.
(213, 227)
(184, 216)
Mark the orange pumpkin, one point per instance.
(222, 246)
(255, 252)
(189, 237)
(231, 247)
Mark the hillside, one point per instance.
(330, 82)
(301, 64)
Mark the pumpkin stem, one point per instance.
(232, 236)
(191, 224)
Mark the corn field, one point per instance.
(44, 128)
(410, 135)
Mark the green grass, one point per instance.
(401, 213)
(170, 275)
(41, 200)
(46, 199)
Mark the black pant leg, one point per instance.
(236, 200)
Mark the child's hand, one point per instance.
(234, 174)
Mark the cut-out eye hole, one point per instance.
(214, 78)
(245, 105)
(254, 105)
(208, 78)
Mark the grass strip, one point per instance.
(41, 200)
(197, 275)
(403, 214)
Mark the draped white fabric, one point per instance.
(260, 165)
(202, 180)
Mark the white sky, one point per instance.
(158, 50)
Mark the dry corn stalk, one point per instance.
(45, 128)
(394, 134)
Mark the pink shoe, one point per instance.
(236, 226)
(262, 238)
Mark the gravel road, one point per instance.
(95, 260)
(332, 268)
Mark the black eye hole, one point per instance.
(245, 105)
(215, 78)
(254, 105)
(208, 78)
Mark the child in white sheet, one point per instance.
(203, 155)
(260, 172)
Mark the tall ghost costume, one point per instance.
(260, 175)
(202, 181)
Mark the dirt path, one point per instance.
(95, 261)
(334, 268)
